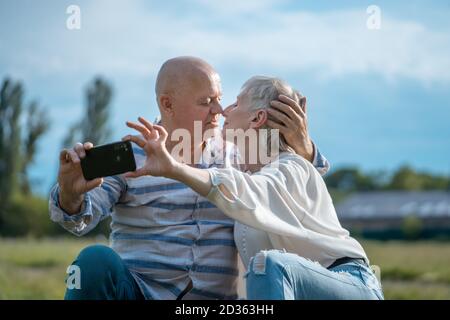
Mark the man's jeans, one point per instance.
(278, 275)
(103, 276)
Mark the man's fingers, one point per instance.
(88, 145)
(91, 184)
(136, 174)
(73, 156)
(136, 139)
(64, 155)
(146, 123)
(162, 132)
(143, 130)
(79, 149)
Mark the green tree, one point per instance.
(350, 179)
(10, 109)
(37, 124)
(17, 145)
(93, 126)
(406, 178)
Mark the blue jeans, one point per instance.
(278, 275)
(103, 276)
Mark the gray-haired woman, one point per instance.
(287, 231)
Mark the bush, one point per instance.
(29, 216)
(412, 227)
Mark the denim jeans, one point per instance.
(104, 276)
(278, 275)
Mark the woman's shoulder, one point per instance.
(293, 159)
(290, 164)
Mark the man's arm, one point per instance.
(77, 204)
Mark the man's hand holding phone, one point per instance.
(73, 185)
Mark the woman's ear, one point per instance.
(303, 104)
(259, 119)
(165, 104)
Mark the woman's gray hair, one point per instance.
(260, 91)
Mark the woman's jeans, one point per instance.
(278, 275)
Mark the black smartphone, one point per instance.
(108, 160)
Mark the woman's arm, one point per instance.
(198, 179)
(261, 201)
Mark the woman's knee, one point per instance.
(267, 276)
(269, 261)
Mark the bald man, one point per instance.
(167, 242)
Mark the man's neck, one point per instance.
(194, 152)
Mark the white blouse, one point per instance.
(285, 205)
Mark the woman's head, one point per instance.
(250, 109)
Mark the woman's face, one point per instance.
(237, 115)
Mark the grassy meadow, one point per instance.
(35, 269)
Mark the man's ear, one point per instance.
(165, 103)
(259, 119)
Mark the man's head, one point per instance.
(188, 89)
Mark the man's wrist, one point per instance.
(70, 204)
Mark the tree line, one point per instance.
(351, 179)
(23, 124)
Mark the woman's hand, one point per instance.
(292, 122)
(152, 140)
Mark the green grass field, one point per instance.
(35, 269)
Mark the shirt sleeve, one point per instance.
(261, 200)
(98, 204)
(320, 162)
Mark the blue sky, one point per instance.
(376, 98)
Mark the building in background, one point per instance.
(397, 214)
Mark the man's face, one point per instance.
(199, 101)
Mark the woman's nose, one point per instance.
(227, 111)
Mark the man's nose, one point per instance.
(217, 108)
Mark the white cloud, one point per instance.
(130, 38)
